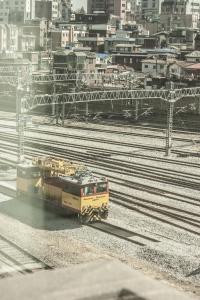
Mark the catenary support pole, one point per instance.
(53, 110)
(198, 105)
(170, 113)
(136, 109)
(20, 124)
(63, 114)
(86, 109)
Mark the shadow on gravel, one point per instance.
(37, 215)
(193, 273)
(124, 294)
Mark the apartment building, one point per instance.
(4, 14)
(114, 7)
(24, 9)
(150, 7)
(49, 9)
(179, 7)
(8, 37)
(180, 13)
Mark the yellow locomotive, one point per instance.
(65, 185)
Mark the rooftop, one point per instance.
(194, 54)
(193, 67)
(182, 63)
(127, 45)
(154, 61)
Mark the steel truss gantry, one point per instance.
(110, 95)
(41, 78)
(95, 78)
(169, 96)
(27, 102)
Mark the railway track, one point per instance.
(139, 171)
(122, 169)
(111, 229)
(15, 260)
(132, 126)
(160, 174)
(137, 186)
(183, 216)
(153, 124)
(158, 211)
(180, 219)
(124, 133)
(178, 197)
(129, 153)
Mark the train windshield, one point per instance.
(32, 172)
(101, 187)
(88, 190)
(72, 189)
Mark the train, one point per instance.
(65, 185)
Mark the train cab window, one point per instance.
(28, 173)
(88, 190)
(21, 173)
(36, 174)
(101, 187)
(72, 189)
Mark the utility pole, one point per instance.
(53, 111)
(19, 121)
(136, 109)
(170, 114)
(86, 110)
(22, 91)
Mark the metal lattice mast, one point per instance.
(23, 93)
(169, 130)
(19, 119)
(32, 101)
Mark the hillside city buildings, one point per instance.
(158, 40)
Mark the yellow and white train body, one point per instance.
(82, 193)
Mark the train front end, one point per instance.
(28, 179)
(91, 198)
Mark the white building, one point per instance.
(8, 37)
(192, 7)
(154, 67)
(134, 5)
(177, 70)
(55, 9)
(193, 57)
(3, 38)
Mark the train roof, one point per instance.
(80, 179)
(84, 179)
(27, 166)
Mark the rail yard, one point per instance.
(154, 212)
(99, 150)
